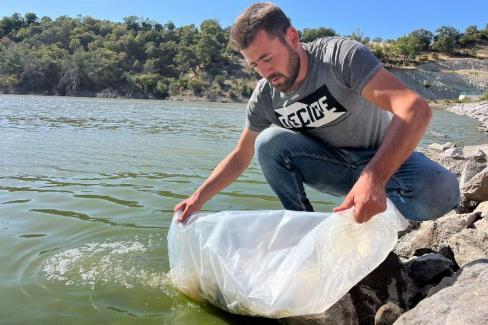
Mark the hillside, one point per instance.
(446, 79)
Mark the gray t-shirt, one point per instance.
(328, 105)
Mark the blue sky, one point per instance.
(381, 18)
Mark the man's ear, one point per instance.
(293, 37)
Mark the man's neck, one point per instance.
(302, 74)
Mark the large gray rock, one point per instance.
(431, 236)
(482, 208)
(389, 282)
(474, 150)
(476, 189)
(453, 153)
(429, 269)
(477, 153)
(469, 245)
(470, 169)
(463, 302)
(482, 225)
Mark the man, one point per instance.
(346, 126)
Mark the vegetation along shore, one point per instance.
(141, 58)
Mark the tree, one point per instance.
(423, 38)
(211, 42)
(408, 47)
(358, 35)
(311, 34)
(446, 39)
(132, 23)
(31, 18)
(471, 36)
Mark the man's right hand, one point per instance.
(187, 207)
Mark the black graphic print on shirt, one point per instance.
(315, 110)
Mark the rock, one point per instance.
(482, 208)
(474, 150)
(429, 269)
(476, 189)
(431, 236)
(442, 147)
(465, 205)
(454, 153)
(469, 245)
(470, 169)
(389, 282)
(387, 314)
(476, 154)
(463, 302)
(482, 225)
(452, 159)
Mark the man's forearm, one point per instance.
(228, 170)
(409, 123)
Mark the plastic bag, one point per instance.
(277, 263)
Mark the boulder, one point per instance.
(442, 147)
(470, 169)
(482, 208)
(469, 245)
(463, 301)
(389, 282)
(454, 153)
(476, 152)
(476, 189)
(387, 314)
(429, 269)
(482, 225)
(431, 236)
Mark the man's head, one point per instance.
(268, 42)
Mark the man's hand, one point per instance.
(187, 207)
(368, 196)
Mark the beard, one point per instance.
(293, 67)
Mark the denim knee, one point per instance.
(438, 195)
(270, 144)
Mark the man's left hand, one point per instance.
(368, 196)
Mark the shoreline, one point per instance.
(476, 110)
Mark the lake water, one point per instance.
(87, 188)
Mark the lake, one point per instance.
(87, 189)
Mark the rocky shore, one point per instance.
(438, 271)
(478, 111)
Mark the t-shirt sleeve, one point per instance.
(255, 117)
(354, 64)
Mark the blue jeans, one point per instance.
(421, 188)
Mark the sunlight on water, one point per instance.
(107, 262)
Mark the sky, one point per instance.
(381, 18)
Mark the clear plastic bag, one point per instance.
(277, 263)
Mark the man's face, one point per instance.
(274, 60)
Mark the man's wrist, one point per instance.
(375, 176)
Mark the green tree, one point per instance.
(471, 36)
(408, 47)
(446, 39)
(311, 34)
(423, 38)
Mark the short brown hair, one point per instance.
(260, 16)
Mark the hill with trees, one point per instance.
(141, 58)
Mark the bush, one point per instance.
(196, 86)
